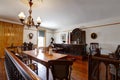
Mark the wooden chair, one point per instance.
(26, 60)
(24, 57)
(30, 46)
(61, 69)
(111, 66)
(93, 65)
(34, 67)
(115, 56)
(117, 53)
(25, 46)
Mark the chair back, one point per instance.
(117, 52)
(19, 50)
(25, 46)
(30, 46)
(94, 47)
(61, 69)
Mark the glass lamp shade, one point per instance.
(21, 15)
(38, 20)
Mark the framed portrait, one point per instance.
(63, 37)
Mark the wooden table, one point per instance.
(43, 58)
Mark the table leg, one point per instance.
(47, 73)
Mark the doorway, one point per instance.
(41, 38)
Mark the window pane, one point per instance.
(41, 33)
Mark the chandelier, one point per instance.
(29, 20)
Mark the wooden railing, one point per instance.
(94, 67)
(16, 69)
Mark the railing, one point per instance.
(16, 69)
(94, 68)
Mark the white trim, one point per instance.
(10, 21)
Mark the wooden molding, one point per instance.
(104, 25)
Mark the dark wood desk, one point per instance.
(43, 58)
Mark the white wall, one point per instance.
(57, 36)
(49, 34)
(108, 35)
(26, 37)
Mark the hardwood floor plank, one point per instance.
(80, 70)
(2, 70)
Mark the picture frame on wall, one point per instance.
(63, 37)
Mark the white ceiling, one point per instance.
(62, 13)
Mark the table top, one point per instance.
(44, 56)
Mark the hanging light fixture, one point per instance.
(29, 20)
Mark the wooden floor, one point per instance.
(79, 72)
(2, 70)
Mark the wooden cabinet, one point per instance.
(78, 36)
(73, 49)
(77, 44)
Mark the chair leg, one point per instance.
(113, 77)
(37, 72)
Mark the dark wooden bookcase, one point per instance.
(77, 36)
